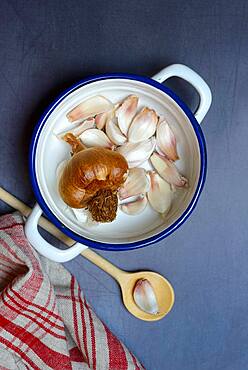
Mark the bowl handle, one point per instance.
(42, 246)
(187, 74)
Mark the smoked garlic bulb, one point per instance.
(94, 173)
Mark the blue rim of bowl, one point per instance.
(126, 246)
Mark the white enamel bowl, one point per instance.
(126, 232)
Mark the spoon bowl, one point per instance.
(161, 286)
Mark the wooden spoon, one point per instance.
(162, 288)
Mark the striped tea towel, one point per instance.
(45, 321)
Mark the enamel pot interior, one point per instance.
(126, 232)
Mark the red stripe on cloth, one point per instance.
(7, 268)
(51, 300)
(3, 257)
(13, 267)
(11, 226)
(75, 300)
(21, 242)
(117, 356)
(5, 281)
(74, 310)
(10, 250)
(47, 355)
(30, 289)
(135, 362)
(83, 326)
(19, 312)
(9, 219)
(44, 318)
(37, 330)
(92, 330)
(7, 271)
(14, 348)
(33, 280)
(61, 296)
(34, 331)
(76, 355)
(35, 305)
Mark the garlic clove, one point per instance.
(160, 194)
(96, 138)
(136, 183)
(168, 171)
(143, 126)
(137, 153)
(102, 118)
(78, 130)
(89, 108)
(144, 297)
(158, 150)
(125, 113)
(135, 164)
(166, 141)
(114, 133)
(134, 207)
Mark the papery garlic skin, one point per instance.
(89, 108)
(145, 298)
(125, 113)
(75, 143)
(114, 133)
(136, 183)
(166, 141)
(168, 171)
(96, 138)
(143, 126)
(137, 153)
(134, 207)
(159, 194)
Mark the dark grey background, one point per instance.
(45, 46)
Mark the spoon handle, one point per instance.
(103, 264)
(90, 255)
